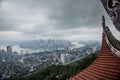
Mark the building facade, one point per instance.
(9, 49)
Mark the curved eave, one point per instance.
(110, 40)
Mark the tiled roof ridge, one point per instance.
(105, 67)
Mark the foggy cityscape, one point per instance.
(59, 39)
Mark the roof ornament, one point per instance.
(113, 9)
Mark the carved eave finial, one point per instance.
(103, 22)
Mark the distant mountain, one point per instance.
(51, 44)
(89, 42)
(46, 44)
(9, 42)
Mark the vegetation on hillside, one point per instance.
(60, 72)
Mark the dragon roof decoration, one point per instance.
(113, 9)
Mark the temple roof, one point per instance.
(107, 64)
(111, 41)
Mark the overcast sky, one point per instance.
(61, 19)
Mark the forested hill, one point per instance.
(61, 72)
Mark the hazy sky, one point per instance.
(42, 19)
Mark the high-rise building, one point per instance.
(22, 52)
(66, 58)
(9, 49)
(63, 58)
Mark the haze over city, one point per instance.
(59, 39)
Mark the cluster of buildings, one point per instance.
(9, 54)
(24, 64)
(9, 50)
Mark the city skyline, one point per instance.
(60, 19)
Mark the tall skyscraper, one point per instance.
(9, 49)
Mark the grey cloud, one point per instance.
(77, 13)
(67, 13)
(7, 25)
(46, 17)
